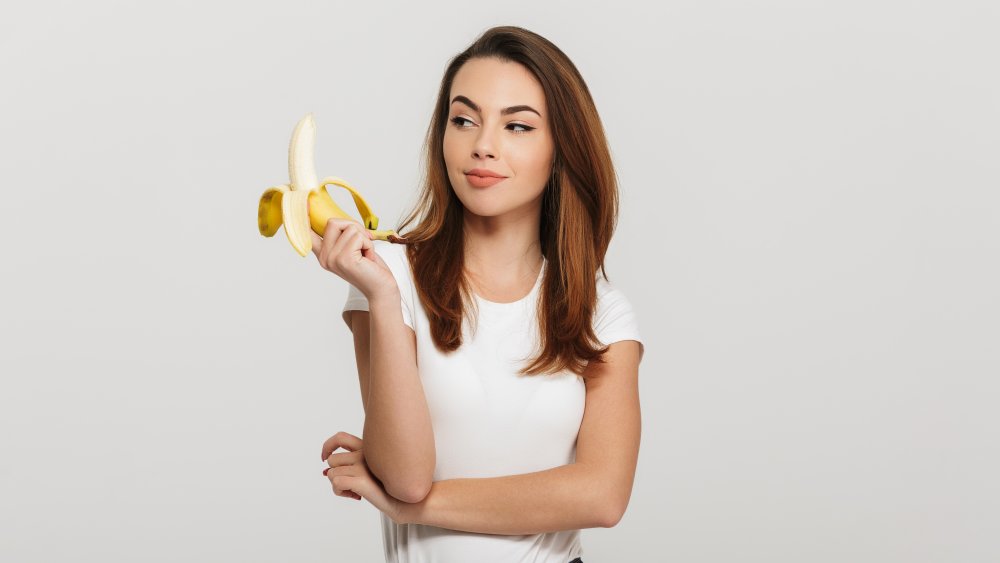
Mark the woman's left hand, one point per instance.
(350, 477)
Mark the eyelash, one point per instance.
(458, 123)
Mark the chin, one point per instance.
(485, 208)
(485, 204)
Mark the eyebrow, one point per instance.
(504, 111)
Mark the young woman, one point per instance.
(498, 367)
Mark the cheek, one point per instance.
(532, 162)
(449, 147)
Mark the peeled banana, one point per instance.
(305, 203)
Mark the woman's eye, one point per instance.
(458, 123)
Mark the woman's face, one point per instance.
(517, 144)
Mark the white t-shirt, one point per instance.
(489, 422)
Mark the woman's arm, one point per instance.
(593, 492)
(561, 498)
(398, 439)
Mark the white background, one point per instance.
(809, 232)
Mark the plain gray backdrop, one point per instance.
(809, 232)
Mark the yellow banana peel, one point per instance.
(305, 203)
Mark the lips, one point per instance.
(483, 182)
(483, 173)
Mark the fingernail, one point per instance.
(325, 470)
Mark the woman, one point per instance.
(498, 368)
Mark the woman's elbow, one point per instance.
(412, 493)
(411, 484)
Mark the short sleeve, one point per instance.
(615, 319)
(392, 255)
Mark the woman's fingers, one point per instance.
(331, 232)
(344, 244)
(344, 458)
(344, 465)
(342, 485)
(341, 479)
(334, 227)
(317, 242)
(348, 494)
(349, 239)
(339, 484)
(339, 236)
(349, 442)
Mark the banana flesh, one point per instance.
(305, 203)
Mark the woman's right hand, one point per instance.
(346, 249)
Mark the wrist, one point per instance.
(407, 513)
(388, 297)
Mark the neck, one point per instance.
(503, 248)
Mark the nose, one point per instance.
(484, 147)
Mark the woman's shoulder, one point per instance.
(394, 256)
(605, 287)
(610, 297)
(615, 319)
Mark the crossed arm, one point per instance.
(592, 492)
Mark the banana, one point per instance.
(305, 203)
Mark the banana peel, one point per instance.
(305, 203)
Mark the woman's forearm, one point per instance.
(567, 497)
(398, 439)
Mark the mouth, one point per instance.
(483, 181)
(483, 173)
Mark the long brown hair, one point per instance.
(579, 211)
